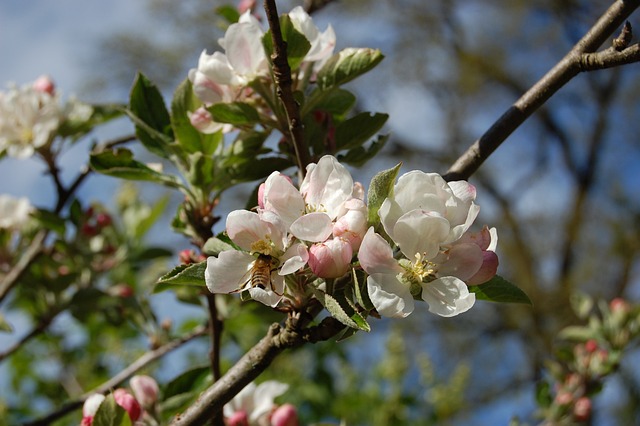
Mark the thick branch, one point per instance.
(251, 365)
(282, 76)
(138, 364)
(580, 58)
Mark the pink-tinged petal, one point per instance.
(243, 401)
(424, 191)
(294, 258)
(331, 259)
(91, 404)
(488, 269)
(224, 274)
(482, 239)
(128, 402)
(459, 228)
(313, 227)
(285, 415)
(463, 190)
(390, 297)
(327, 186)
(420, 231)
(243, 46)
(376, 256)
(145, 389)
(246, 228)
(282, 198)
(463, 261)
(447, 296)
(263, 398)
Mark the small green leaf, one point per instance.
(213, 246)
(189, 275)
(187, 381)
(50, 220)
(109, 413)
(360, 155)
(297, 43)
(357, 130)
(150, 115)
(229, 13)
(339, 311)
(120, 163)
(500, 290)
(236, 113)
(347, 65)
(380, 188)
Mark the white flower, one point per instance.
(255, 402)
(322, 44)
(14, 212)
(28, 120)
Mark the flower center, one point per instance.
(263, 247)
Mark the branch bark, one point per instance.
(580, 58)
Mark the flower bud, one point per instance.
(121, 290)
(145, 389)
(44, 84)
(239, 418)
(128, 402)
(582, 409)
(201, 119)
(330, 259)
(90, 407)
(352, 225)
(285, 415)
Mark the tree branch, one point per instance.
(580, 58)
(138, 364)
(251, 365)
(282, 76)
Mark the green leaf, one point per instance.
(213, 246)
(120, 164)
(189, 275)
(236, 113)
(360, 155)
(336, 101)
(500, 290)
(4, 325)
(50, 220)
(229, 13)
(109, 413)
(150, 116)
(339, 311)
(247, 170)
(187, 136)
(186, 381)
(347, 65)
(380, 188)
(357, 130)
(297, 43)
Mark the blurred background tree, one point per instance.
(563, 191)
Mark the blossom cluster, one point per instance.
(225, 77)
(254, 405)
(31, 114)
(322, 231)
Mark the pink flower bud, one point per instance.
(245, 5)
(591, 346)
(582, 409)
(201, 119)
(121, 290)
(330, 259)
(90, 407)
(239, 418)
(145, 389)
(285, 415)
(128, 402)
(619, 305)
(488, 269)
(563, 398)
(352, 225)
(44, 84)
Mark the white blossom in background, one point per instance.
(253, 405)
(14, 212)
(29, 117)
(322, 44)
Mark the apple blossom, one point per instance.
(322, 44)
(90, 408)
(330, 259)
(254, 402)
(258, 235)
(285, 415)
(128, 402)
(14, 212)
(145, 389)
(29, 118)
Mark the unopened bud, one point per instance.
(239, 418)
(582, 409)
(145, 389)
(128, 402)
(44, 84)
(330, 259)
(285, 415)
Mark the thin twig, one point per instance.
(282, 76)
(138, 364)
(580, 58)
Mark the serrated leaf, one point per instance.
(347, 65)
(109, 413)
(380, 188)
(236, 113)
(500, 290)
(120, 164)
(339, 311)
(190, 275)
(150, 116)
(358, 129)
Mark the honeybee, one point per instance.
(260, 273)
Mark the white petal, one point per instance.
(294, 258)
(264, 396)
(447, 296)
(225, 272)
(282, 198)
(327, 186)
(315, 227)
(265, 296)
(420, 231)
(390, 297)
(245, 228)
